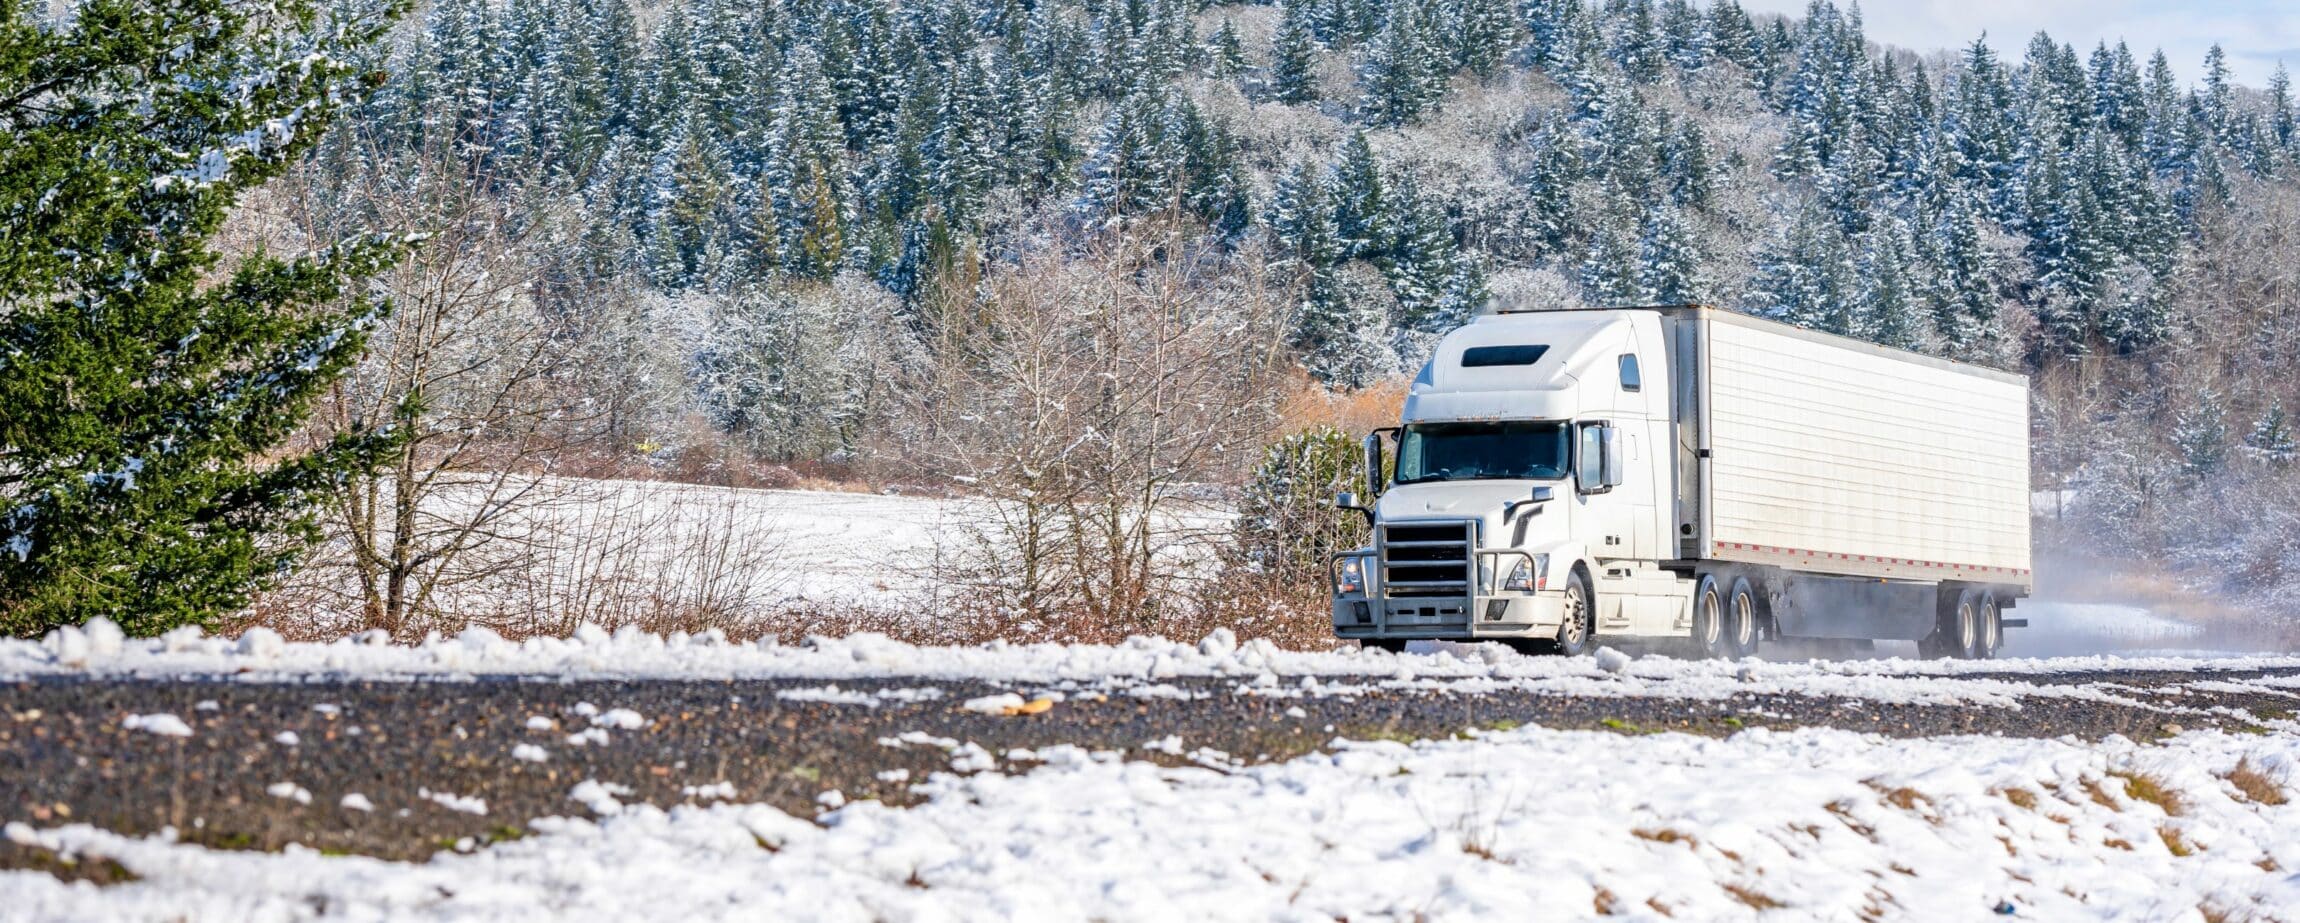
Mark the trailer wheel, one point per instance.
(1578, 634)
(1741, 620)
(1709, 618)
(1957, 628)
(1990, 631)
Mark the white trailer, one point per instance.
(1694, 473)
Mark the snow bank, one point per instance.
(1141, 666)
(1523, 825)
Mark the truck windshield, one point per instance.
(1482, 451)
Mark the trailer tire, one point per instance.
(1742, 620)
(1989, 634)
(1709, 615)
(1577, 635)
(1956, 628)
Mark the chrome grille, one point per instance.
(1427, 558)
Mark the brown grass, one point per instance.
(1757, 900)
(1907, 798)
(2143, 787)
(2256, 785)
(2022, 798)
(1606, 903)
(1663, 835)
(2173, 841)
(1844, 814)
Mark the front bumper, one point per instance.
(1506, 615)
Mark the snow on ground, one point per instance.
(1141, 666)
(1528, 824)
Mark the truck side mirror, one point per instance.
(1373, 462)
(1611, 476)
(1597, 458)
(1345, 501)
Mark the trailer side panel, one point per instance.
(1832, 456)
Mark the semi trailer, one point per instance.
(1561, 477)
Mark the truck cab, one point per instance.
(1550, 481)
(1521, 471)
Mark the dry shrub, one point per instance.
(2144, 787)
(1308, 405)
(2255, 784)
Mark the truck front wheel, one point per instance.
(1578, 634)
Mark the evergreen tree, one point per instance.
(1225, 54)
(1294, 57)
(1402, 74)
(148, 388)
(1610, 266)
(1965, 301)
(1806, 276)
(1552, 168)
(2271, 440)
(1669, 260)
(2200, 433)
(1980, 128)
(2216, 100)
(1482, 34)
(1891, 311)
(1340, 334)
(1420, 257)
(2280, 115)
(1361, 206)
(1301, 217)
(1638, 46)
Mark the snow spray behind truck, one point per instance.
(1688, 472)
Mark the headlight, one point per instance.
(1528, 577)
(1351, 576)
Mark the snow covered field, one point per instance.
(1518, 825)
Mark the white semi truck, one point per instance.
(1562, 477)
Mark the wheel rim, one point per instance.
(1968, 631)
(1710, 629)
(1744, 619)
(1992, 633)
(1576, 613)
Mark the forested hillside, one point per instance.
(784, 231)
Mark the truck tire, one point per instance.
(1709, 616)
(1956, 628)
(1578, 634)
(1742, 620)
(1989, 634)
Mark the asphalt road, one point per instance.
(418, 752)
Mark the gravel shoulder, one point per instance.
(448, 765)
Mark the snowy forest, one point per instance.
(966, 244)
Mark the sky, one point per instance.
(2254, 33)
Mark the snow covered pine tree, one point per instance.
(145, 400)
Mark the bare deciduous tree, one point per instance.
(485, 396)
(1090, 398)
